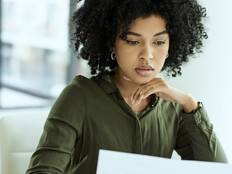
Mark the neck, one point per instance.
(126, 87)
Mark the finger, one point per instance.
(166, 97)
(147, 90)
(157, 94)
(146, 93)
(134, 97)
(160, 86)
(156, 82)
(139, 99)
(144, 88)
(138, 96)
(150, 91)
(155, 85)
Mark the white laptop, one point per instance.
(112, 162)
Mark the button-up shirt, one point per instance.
(91, 114)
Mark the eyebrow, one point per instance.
(157, 34)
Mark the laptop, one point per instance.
(112, 162)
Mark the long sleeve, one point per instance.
(61, 132)
(196, 139)
(55, 147)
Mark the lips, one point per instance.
(144, 70)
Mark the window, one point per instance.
(35, 50)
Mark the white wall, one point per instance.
(209, 77)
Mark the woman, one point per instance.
(123, 106)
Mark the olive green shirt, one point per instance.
(91, 114)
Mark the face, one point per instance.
(142, 55)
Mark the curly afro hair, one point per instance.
(97, 22)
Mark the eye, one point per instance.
(131, 42)
(160, 42)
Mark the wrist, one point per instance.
(190, 104)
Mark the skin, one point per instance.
(140, 58)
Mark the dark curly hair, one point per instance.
(97, 22)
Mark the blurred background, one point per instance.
(36, 59)
(208, 77)
(37, 62)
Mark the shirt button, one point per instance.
(199, 121)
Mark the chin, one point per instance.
(143, 80)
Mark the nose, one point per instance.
(146, 53)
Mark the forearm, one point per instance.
(197, 133)
(190, 104)
(55, 147)
(48, 161)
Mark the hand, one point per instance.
(165, 91)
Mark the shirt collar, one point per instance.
(106, 83)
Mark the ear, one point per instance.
(112, 48)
